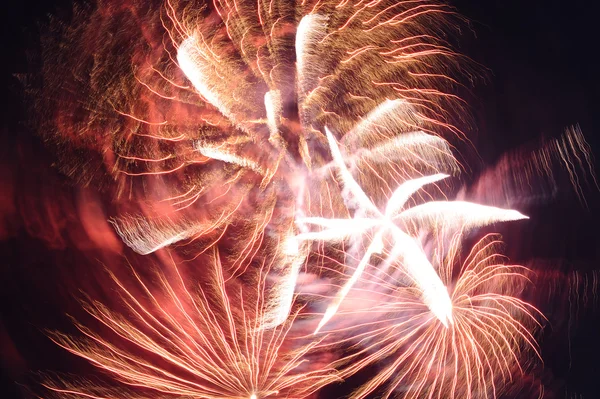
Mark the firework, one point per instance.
(218, 111)
(475, 356)
(464, 214)
(264, 130)
(211, 339)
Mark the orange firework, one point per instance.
(211, 339)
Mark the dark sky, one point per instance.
(543, 76)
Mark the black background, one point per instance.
(543, 76)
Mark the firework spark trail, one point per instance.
(462, 215)
(475, 357)
(213, 340)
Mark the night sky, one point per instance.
(542, 76)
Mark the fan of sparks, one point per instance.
(183, 339)
(310, 142)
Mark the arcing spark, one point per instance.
(474, 357)
(213, 340)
